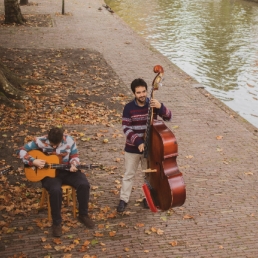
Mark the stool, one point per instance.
(68, 193)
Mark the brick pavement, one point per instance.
(220, 214)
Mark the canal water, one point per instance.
(214, 41)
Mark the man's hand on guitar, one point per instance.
(155, 104)
(73, 168)
(40, 163)
(141, 147)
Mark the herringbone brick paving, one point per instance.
(219, 217)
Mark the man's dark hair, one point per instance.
(138, 82)
(55, 135)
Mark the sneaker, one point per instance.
(145, 203)
(86, 221)
(121, 206)
(57, 230)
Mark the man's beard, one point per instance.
(141, 100)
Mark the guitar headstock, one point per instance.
(90, 166)
(5, 170)
(96, 165)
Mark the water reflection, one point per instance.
(214, 41)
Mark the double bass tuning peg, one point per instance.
(161, 81)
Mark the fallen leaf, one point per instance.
(76, 241)
(173, 243)
(94, 242)
(85, 139)
(188, 217)
(189, 157)
(57, 241)
(86, 243)
(249, 173)
(160, 232)
(112, 233)
(153, 229)
(121, 224)
(163, 218)
(48, 246)
(58, 248)
(139, 225)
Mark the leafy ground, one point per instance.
(83, 94)
(33, 20)
(80, 89)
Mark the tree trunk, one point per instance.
(16, 81)
(24, 2)
(8, 87)
(13, 12)
(9, 90)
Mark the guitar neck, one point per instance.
(63, 166)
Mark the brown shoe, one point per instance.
(86, 221)
(57, 230)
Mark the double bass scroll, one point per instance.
(164, 189)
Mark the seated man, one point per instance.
(62, 145)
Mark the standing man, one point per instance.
(62, 145)
(134, 122)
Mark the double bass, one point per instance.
(164, 186)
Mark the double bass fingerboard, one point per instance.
(147, 132)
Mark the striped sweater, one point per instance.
(134, 123)
(66, 151)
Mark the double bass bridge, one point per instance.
(149, 170)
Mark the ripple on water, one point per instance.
(215, 42)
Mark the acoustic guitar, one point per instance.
(35, 174)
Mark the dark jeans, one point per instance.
(53, 185)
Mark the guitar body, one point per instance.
(35, 174)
